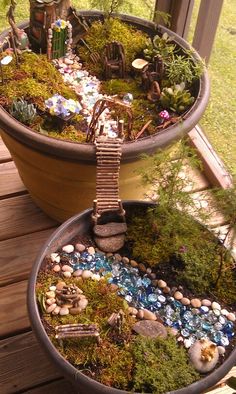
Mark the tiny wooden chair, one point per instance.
(114, 60)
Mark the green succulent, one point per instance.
(161, 46)
(176, 98)
(23, 111)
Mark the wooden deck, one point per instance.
(23, 229)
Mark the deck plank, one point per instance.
(18, 265)
(61, 386)
(4, 152)
(14, 316)
(23, 364)
(19, 216)
(10, 182)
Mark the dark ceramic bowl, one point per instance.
(82, 224)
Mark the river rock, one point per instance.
(67, 268)
(231, 316)
(110, 229)
(56, 310)
(50, 301)
(75, 311)
(142, 267)
(140, 314)
(195, 302)
(149, 328)
(78, 273)
(57, 268)
(67, 274)
(178, 295)
(215, 305)
(161, 283)
(185, 301)
(91, 250)
(111, 244)
(166, 290)
(132, 310)
(221, 350)
(60, 285)
(83, 303)
(148, 315)
(117, 257)
(51, 308)
(86, 274)
(133, 263)
(95, 277)
(55, 258)
(68, 248)
(64, 311)
(206, 302)
(80, 247)
(50, 294)
(125, 260)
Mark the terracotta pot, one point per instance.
(82, 224)
(60, 176)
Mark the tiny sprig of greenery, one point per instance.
(176, 98)
(160, 45)
(182, 68)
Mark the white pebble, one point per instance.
(215, 305)
(67, 274)
(51, 308)
(224, 312)
(95, 277)
(67, 268)
(51, 294)
(64, 311)
(221, 349)
(83, 303)
(68, 248)
(56, 268)
(52, 288)
(91, 250)
(187, 343)
(50, 301)
(56, 310)
(55, 258)
(86, 274)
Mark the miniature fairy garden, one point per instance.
(156, 312)
(146, 81)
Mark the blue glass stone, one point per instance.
(185, 333)
(89, 258)
(128, 298)
(158, 291)
(195, 311)
(200, 334)
(128, 98)
(218, 326)
(161, 298)
(146, 282)
(170, 299)
(216, 337)
(228, 327)
(177, 304)
(204, 309)
(169, 322)
(230, 335)
(211, 318)
(152, 298)
(224, 341)
(188, 316)
(139, 282)
(216, 312)
(222, 319)
(206, 326)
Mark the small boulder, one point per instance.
(150, 328)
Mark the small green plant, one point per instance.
(182, 68)
(161, 365)
(176, 98)
(23, 111)
(162, 46)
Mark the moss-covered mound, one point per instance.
(134, 42)
(34, 79)
(161, 366)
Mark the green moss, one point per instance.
(161, 366)
(134, 41)
(121, 87)
(34, 79)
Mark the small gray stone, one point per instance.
(195, 302)
(75, 311)
(86, 274)
(64, 311)
(68, 248)
(78, 273)
(111, 244)
(148, 315)
(109, 229)
(149, 328)
(206, 302)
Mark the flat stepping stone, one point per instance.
(109, 229)
(111, 244)
(150, 328)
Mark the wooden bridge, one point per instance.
(23, 229)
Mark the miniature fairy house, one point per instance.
(42, 14)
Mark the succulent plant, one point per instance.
(161, 46)
(176, 98)
(23, 111)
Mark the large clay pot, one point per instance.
(60, 176)
(82, 224)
